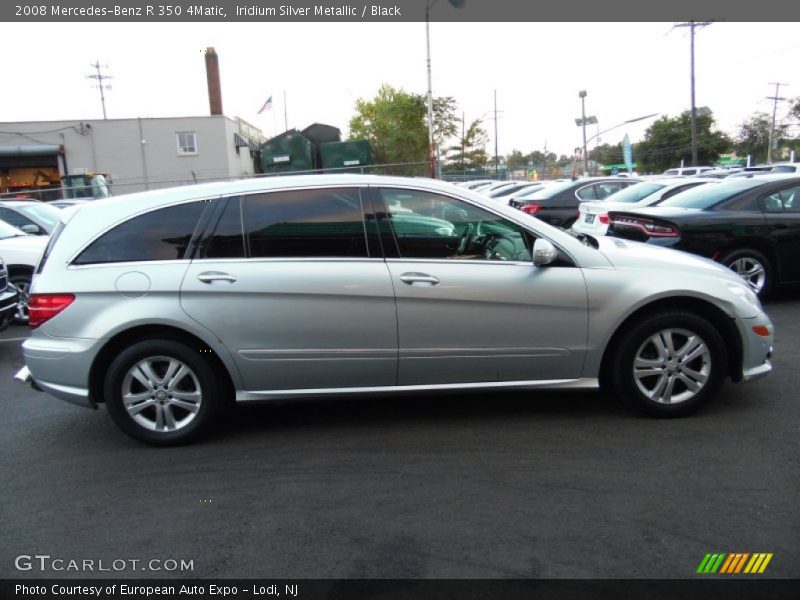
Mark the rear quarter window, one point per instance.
(161, 234)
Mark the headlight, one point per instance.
(745, 293)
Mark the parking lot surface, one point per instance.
(492, 485)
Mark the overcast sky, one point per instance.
(628, 70)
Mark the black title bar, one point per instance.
(280, 11)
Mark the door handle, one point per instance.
(421, 278)
(210, 276)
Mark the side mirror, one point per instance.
(544, 253)
(31, 228)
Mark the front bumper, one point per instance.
(756, 349)
(8, 306)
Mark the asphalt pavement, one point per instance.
(518, 485)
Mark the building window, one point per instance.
(187, 143)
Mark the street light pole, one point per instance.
(431, 159)
(431, 153)
(582, 96)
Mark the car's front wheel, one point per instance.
(162, 392)
(670, 365)
(22, 281)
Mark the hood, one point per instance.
(34, 243)
(625, 254)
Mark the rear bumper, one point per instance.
(73, 395)
(60, 367)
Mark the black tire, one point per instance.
(156, 353)
(740, 258)
(23, 283)
(681, 400)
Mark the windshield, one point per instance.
(41, 213)
(706, 196)
(7, 231)
(637, 192)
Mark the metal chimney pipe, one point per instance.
(214, 87)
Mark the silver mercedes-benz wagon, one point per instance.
(167, 306)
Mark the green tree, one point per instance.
(470, 150)
(395, 124)
(517, 160)
(606, 154)
(794, 111)
(753, 136)
(669, 140)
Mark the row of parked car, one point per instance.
(24, 229)
(749, 220)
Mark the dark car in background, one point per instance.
(9, 298)
(751, 225)
(558, 204)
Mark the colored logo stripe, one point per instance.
(758, 563)
(734, 563)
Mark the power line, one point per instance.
(99, 77)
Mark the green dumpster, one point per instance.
(289, 151)
(346, 157)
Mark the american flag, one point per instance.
(267, 105)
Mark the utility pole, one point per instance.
(496, 156)
(582, 96)
(99, 77)
(775, 99)
(692, 25)
(463, 140)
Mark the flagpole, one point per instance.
(274, 124)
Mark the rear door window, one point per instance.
(320, 223)
(162, 234)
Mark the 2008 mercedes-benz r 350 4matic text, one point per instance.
(168, 305)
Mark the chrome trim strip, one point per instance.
(321, 354)
(458, 261)
(584, 383)
(481, 352)
(288, 259)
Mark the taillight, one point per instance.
(43, 307)
(531, 209)
(646, 226)
(603, 218)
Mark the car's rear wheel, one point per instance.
(670, 365)
(753, 267)
(162, 392)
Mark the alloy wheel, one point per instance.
(752, 271)
(161, 394)
(672, 366)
